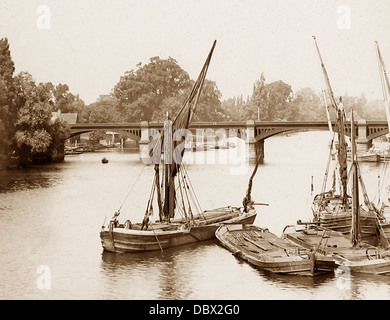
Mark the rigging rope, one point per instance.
(131, 188)
(185, 187)
(151, 196)
(191, 191)
(158, 241)
(181, 192)
(382, 183)
(327, 167)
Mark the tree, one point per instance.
(36, 136)
(60, 98)
(271, 101)
(374, 110)
(31, 136)
(7, 95)
(258, 101)
(357, 104)
(209, 106)
(102, 111)
(65, 100)
(309, 105)
(278, 98)
(141, 93)
(7, 67)
(59, 133)
(238, 109)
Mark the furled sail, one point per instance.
(384, 82)
(173, 138)
(342, 146)
(342, 150)
(355, 227)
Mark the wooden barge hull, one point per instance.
(342, 223)
(324, 262)
(121, 240)
(338, 252)
(371, 228)
(377, 266)
(130, 241)
(293, 267)
(268, 252)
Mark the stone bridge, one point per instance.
(253, 131)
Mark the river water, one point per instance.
(50, 218)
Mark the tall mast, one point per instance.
(248, 198)
(327, 113)
(330, 147)
(342, 151)
(175, 149)
(327, 82)
(159, 200)
(342, 148)
(384, 82)
(355, 227)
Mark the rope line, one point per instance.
(131, 188)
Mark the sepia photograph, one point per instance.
(204, 152)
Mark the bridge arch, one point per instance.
(134, 134)
(376, 132)
(364, 131)
(263, 134)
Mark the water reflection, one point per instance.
(297, 281)
(173, 270)
(29, 178)
(189, 272)
(52, 215)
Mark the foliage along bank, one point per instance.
(150, 92)
(27, 132)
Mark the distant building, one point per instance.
(70, 118)
(111, 138)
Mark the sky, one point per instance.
(90, 44)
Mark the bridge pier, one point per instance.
(144, 141)
(251, 143)
(252, 155)
(362, 143)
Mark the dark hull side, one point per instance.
(328, 213)
(377, 266)
(324, 262)
(268, 252)
(339, 251)
(122, 240)
(372, 230)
